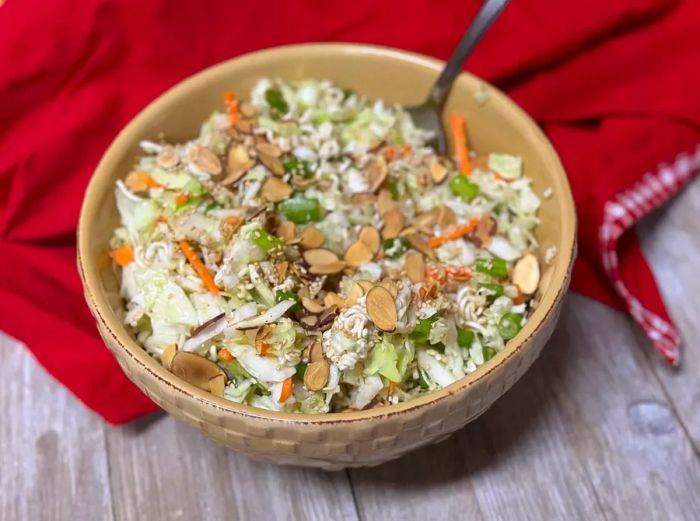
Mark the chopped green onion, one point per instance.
(465, 337)
(291, 164)
(301, 210)
(193, 188)
(266, 240)
(494, 267)
(422, 331)
(301, 370)
(496, 290)
(489, 353)
(281, 295)
(509, 325)
(234, 369)
(393, 187)
(212, 205)
(275, 99)
(394, 248)
(421, 381)
(461, 186)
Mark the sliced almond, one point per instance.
(384, 201)
(269, 149)
(420, 243)
(357, 253)
(431, 290)
(309, 320)
(381, 308)
(333, 299)
(438, 171)
(311, 238)
(365, 285)
(195, 369)
(168, 354)
(247, 109)
(315, 352)
(286, 230)
(320, 256)
(167, 157)
(390, 286)
(244, 125)
(426, 219)
(276, 190)
(204, 159)
(217, 385)
(274, 164)
(238, 162)
(526, 274)
(394, 221)
(369, 236)
(301, 182)
(312, 305)
(281, 268)
(484, 231)
(355, 293)
(328, 269)
(415, 266)
(316, 375)
(446, 217)
(263, 332)
(363, 198)
(377, 173)
(137, 181)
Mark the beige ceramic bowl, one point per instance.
(344, 439)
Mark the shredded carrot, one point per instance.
(200, 268)
(406, 149)
(162, 219)
(152, 183)
(499, 177)
(232, 107)
(444, 274)
(459, 137)
(232, 220)
(225, 354)
(263, 347)
(458, 272)
(422, 292)
(454, 234)
(519, 296)
(286, 390)
(392, 387)
(182, 198)
(390, 153)
(123, 255)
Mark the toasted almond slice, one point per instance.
(281, 268)
(269, 149)
(217, 385)
(312, 305)
(276, 190)
(137, 181)
(365, 285)
(327, 269)
(426, 219)
(286, 230)
(355, 293)
(320, 256)
(484, 231)
(237, 164)
(363, 198)
(311, 238)
(446, 217)
(195, 369)
(526, 274)
(369, 236)
(415, 266)
(315, 352)
(381, 308)
(168, 354)
(316, 375)
(167, 157)
(244, 125)
(431, 290)
(333, 299)
(247, 109)
(390, 286)
(357, 253)
(274, 164)
(420, 243)
(204, 159)
(377, 173)
(384, 201)
(394, 221)
(309, 320)
(263, 332)
(438, 171)
(300, 182)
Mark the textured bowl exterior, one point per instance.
(358, 438)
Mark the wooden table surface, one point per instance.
(599, 428)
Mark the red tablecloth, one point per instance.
(616, 86)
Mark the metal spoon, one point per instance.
(428, 115)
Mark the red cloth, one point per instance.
(614, 84)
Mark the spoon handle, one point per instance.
(481, 23)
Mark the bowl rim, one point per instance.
(110, 324)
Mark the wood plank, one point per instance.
(671, 240)
(54, 463)
(164, 469)
(587, 434)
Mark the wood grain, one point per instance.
(52, 450)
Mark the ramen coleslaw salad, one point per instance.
(309, 252)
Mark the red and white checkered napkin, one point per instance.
(627, 208)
